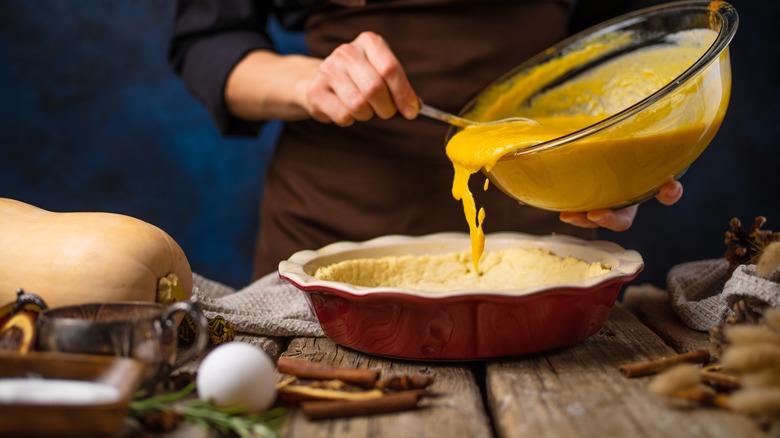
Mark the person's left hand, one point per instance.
(621, 220)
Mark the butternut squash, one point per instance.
(81, 257)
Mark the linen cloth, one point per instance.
(267, 307)
(702, 293)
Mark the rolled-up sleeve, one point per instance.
(209, 38)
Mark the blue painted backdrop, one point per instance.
(93, 119)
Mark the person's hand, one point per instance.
(621, 220)
(360, 80)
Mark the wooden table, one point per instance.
(570, 392)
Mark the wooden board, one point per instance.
(652, 307)
(457, 411)
(272, 346)
(578, 391)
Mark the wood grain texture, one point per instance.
(570, 392)
(579, 392)
(456, 411)
(272, 346)
(652, 307)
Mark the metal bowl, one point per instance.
(465, 324)
(580, 171)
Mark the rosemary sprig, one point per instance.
(161, 402)
(225, 420)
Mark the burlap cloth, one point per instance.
(702, 293)
(268, 307)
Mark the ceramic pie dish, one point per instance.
(463, 324)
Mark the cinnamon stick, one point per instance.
(406, 382)
(654, 366)
(293, 394)
(716, 377)
(393, 402)
(313, 370)
(706, 397)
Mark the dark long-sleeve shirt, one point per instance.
(211, 36)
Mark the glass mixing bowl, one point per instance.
(627, 156)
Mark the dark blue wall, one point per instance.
(93, 119)
(739, 174)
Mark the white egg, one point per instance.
(237, 373)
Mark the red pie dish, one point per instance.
(462, 324)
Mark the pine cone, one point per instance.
(745, 246)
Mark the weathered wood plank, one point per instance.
(457, 411)
(579, 392)
(272, 346)
(651, 306)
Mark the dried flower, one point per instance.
(751, 334)
(675, 379)
(772, 319)
(768, 260)
(759, 401)
(761, 379)
(750, 358)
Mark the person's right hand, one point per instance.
(360, 80)
(621, 219)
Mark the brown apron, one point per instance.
(327, 183)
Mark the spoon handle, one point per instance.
(460, 122)
(443, 116)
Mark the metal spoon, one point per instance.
(460, 122)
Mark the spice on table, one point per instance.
(393, 402)
(306, 392)
(313, 370)
(638, 369)
(716, 376)
(220, 331)
(704, 395)
(323, 391)
(406, 382)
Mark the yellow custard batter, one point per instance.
(611, 168)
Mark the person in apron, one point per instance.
(353, 160)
